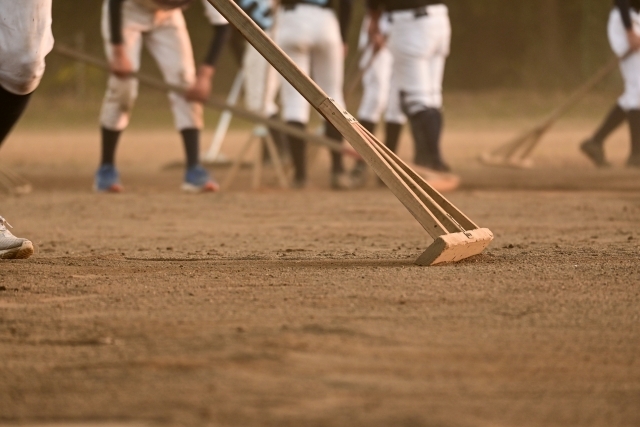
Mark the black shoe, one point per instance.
(633, 162)
(359, 175)
(595, 153)
(440, 166)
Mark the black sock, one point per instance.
(337, 164)
(437, 122)
(392, 136)
(191, 141)
(419, 125)
(298, 149)
(371, 127)
(11, 108)
(110, 140)
(614, 119)
(634, 126)
(279, 139)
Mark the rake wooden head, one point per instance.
(455, 236)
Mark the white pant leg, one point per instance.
(417, 45)
(25, 40)
(310, 35)
(376, 83)
(327, 55)
(630, 67)
(439, 29)
(393, 113)
(261, 83)
(170, 45)
(295, 38)
(121, 94)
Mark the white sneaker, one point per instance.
(12, 247)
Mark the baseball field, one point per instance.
(304, 308)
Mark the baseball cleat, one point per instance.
(12, 247)
(107, 180)
(595, 153)
(299, 184)
(341, 181)
(197, 180)
(633, 162)
(359, 175)
(439, 181)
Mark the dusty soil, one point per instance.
(290, 308)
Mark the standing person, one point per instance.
(378, 95)
(25, 40)
(419, 40)
(160, 24)
(311, 34)
(624, 36)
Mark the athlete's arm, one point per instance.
(344, 17)
(120, 63)
(201, 90)
(624, 6)
(377, 40)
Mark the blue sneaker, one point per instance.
(107, 180)
(197, 180)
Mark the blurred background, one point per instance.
(509, 59)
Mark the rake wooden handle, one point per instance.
(212, 103)
(525, 143)
(450, 244)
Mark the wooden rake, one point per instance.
(517, 152)
(455, 236)
(12, 183)
(213, 103)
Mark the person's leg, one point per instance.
(408, 43)
(119, 98)
(392, 135)
(593, 147)
(25, 26)
(293, 39)
(634, 126)
(376, 88)
(328, 72)
(170, 45)
(11, 108)
(298, 149)
(12, 247)
(439, 29)
(394, 118)
(25, 40)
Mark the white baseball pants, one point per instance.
(164, 32)
(25, 40)
(261, 83)
(310, 35)
(377, 94)
(630, 67)
(420, 46)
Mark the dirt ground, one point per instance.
(304, 308)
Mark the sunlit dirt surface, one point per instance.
(303, 308)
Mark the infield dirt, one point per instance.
(304, 308)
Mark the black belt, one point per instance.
(293, 6)
(418, 12)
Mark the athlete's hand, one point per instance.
(120, 63)
(634, 40)
(345, 49)
(201, 90)
(377, 41)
